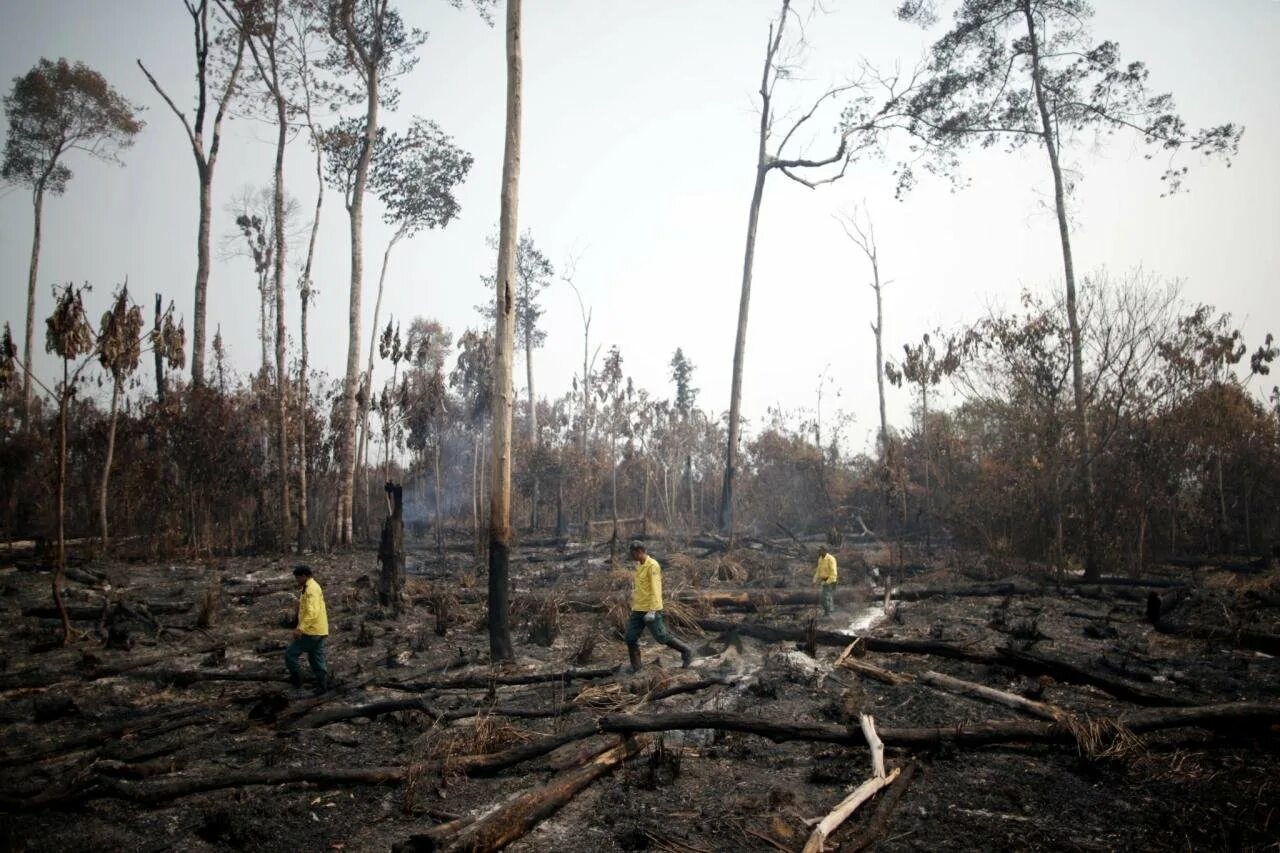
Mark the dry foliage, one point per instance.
(731, 571)
(1103, 739)
(541, 612)
(483, 735)
(612, 579)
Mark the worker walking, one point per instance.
(646, 609)
(309, 636)
(825, 576)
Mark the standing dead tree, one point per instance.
(209, 45)
(262, 24)
(864, 237)
(856, 133)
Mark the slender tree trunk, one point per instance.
(204, 175)
(1142, 543)
(613, 459)
(878, 329)
(748, 263)
(439, 511)
(64, 401)
(159, 356)
(533, 426)
(32, 276)
(475, 491)
(304, 408)
(263, 320)
(373, 347)
(106, 468)
(693, 517)
(1092, 570)
(500, 648)
(1222, 495)
(740, 342)
(356, 211)
(282, 374)
(304, 390)
(928, 509)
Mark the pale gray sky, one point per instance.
(639, 146)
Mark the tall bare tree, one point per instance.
(54, 109)
(301, 25)
(856, 131)
(1021, 72)
(499, 617)
(263, 25)
(864, 237)
(209, 45)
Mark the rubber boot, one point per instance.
(633, 652)
(686, 653)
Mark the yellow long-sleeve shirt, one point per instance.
(826, 570)
(312, 618)
(646, 594)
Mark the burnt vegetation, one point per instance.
(1058, 609)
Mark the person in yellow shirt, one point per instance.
(309, 636)
(646, 609)
(825, 576)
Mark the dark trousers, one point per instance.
(826, 592)
(313, 648)
(635, 627)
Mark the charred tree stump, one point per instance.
(391, 552)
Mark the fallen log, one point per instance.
(985, 590)
(513, 819)
(1029, 663)
(870, 670)
(94, 613)
(485, 680)
(164, 721)
(1258, 641)
(990, 694)
(1034, 663)
(369, 709)
(1232, 716)
(1115, 580)
(387, 706)
(860, 795)
(777, 633)
(880, 820)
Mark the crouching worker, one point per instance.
(824, 574)
(646, 609)
(309, 636)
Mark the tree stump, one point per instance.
(391, 553)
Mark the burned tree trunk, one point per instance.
(391, 553)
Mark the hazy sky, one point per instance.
(638, 158)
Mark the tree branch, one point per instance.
(191, 137)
